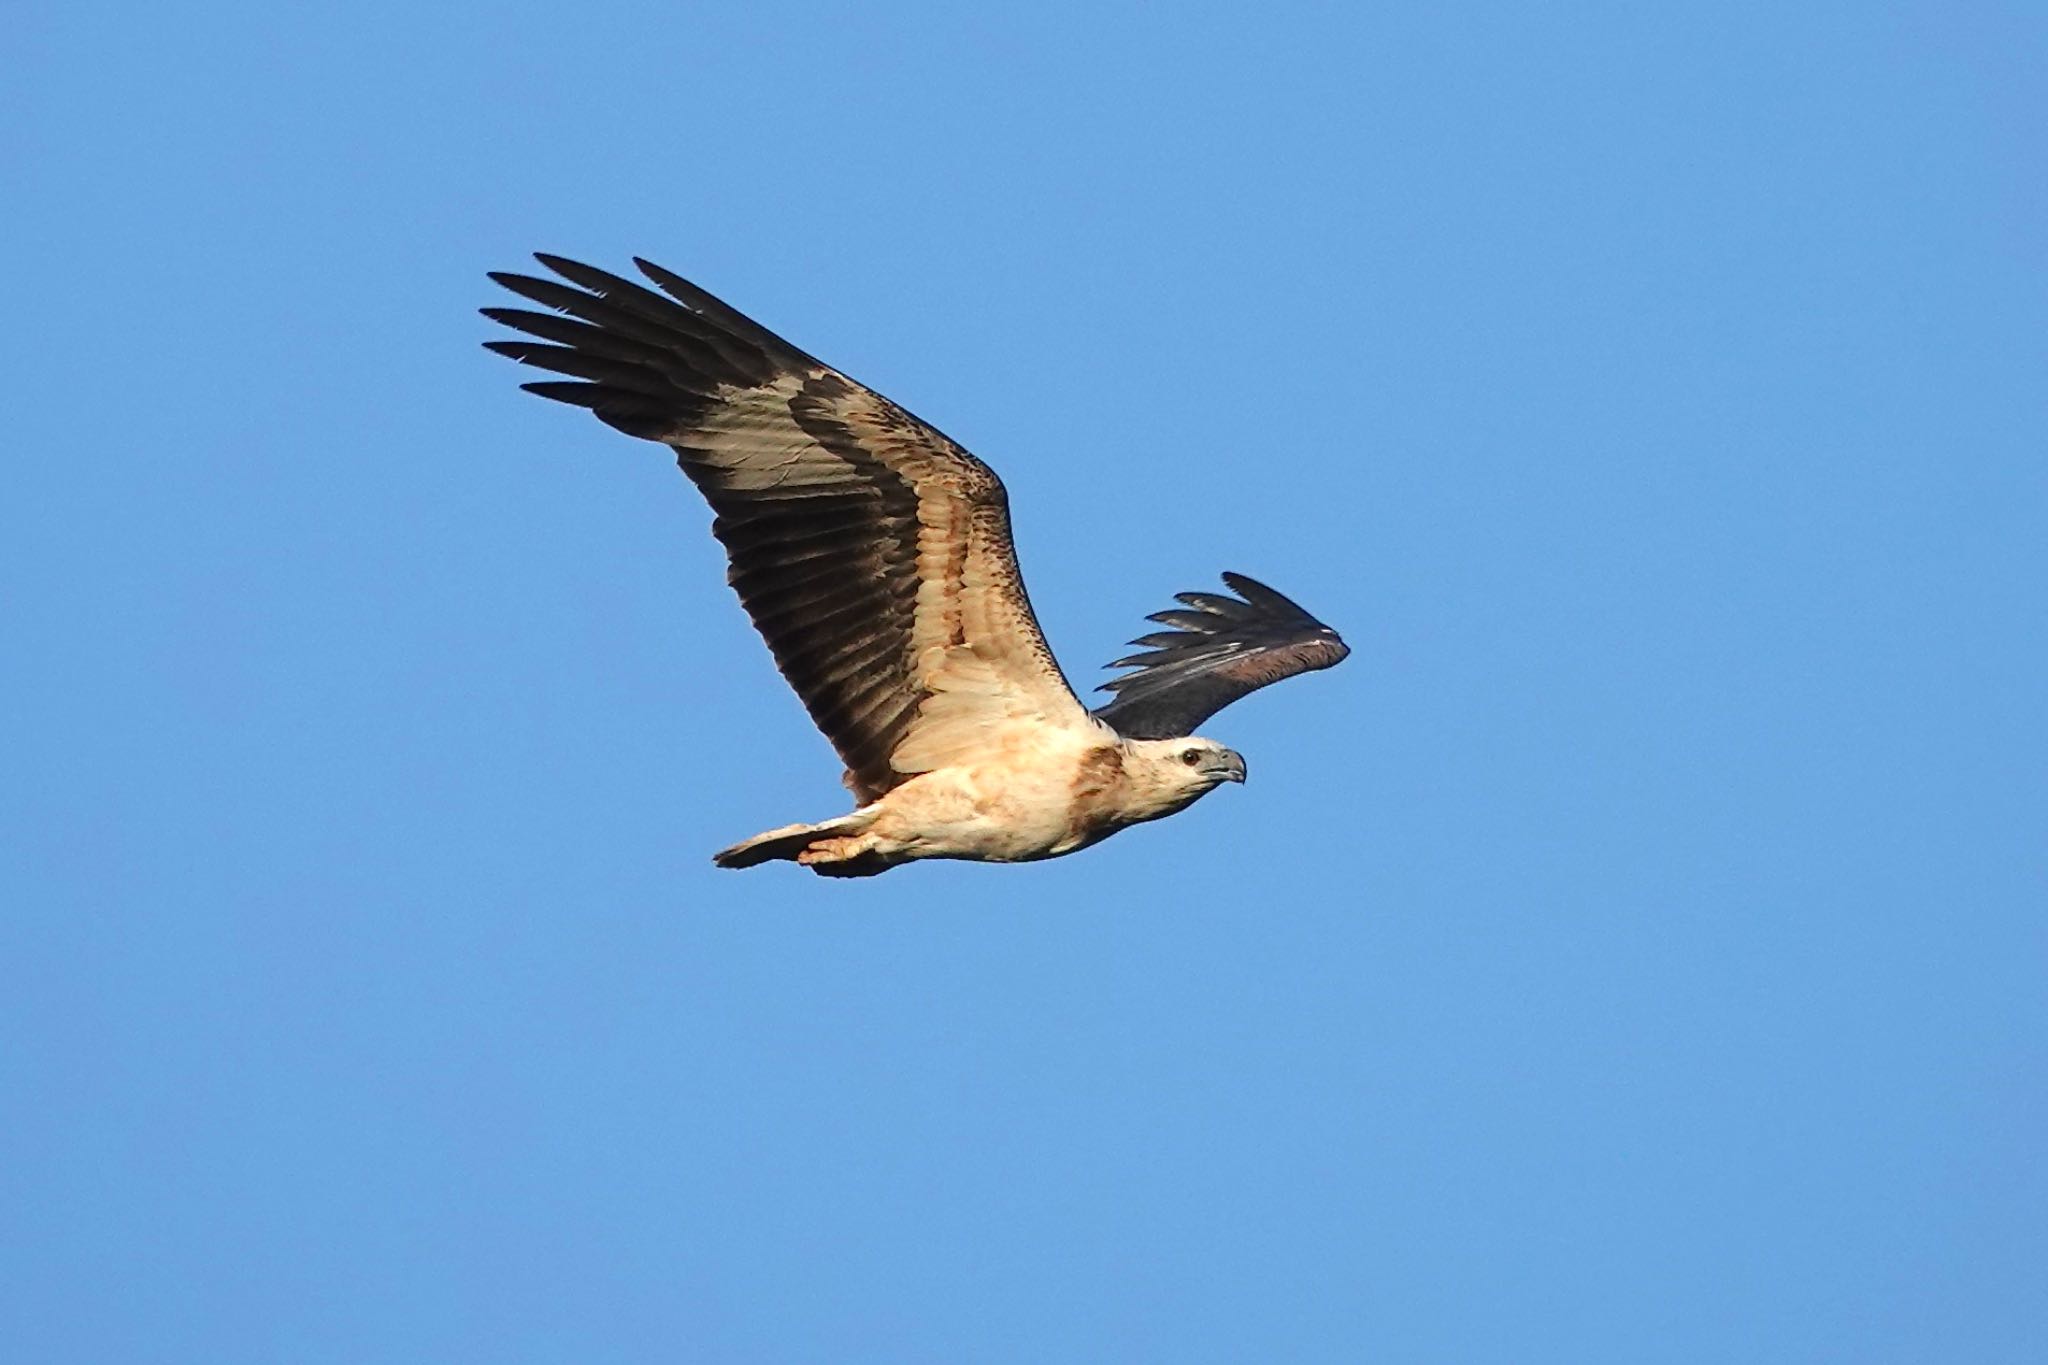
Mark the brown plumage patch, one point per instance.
(1097, 781)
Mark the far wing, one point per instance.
(1220, 648)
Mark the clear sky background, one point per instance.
(1635, 952)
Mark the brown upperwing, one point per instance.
(872, 552)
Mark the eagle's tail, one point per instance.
(792, 841)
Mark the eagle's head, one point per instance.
(1162, 776)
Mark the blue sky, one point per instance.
(1634, 952)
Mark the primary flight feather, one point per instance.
(874, 556)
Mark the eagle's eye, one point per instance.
(1191, 756)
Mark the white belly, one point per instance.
(997, 811)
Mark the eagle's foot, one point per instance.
(848, 857)
(833, 851)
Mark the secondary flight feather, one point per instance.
(873, 554)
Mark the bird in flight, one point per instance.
(874, 557)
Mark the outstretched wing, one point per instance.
(1220, 649)
(872, 553)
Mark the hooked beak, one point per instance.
(1229, 766)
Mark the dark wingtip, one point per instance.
(564, 391)
(599, 282)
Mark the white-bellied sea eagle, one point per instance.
(874, 557)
